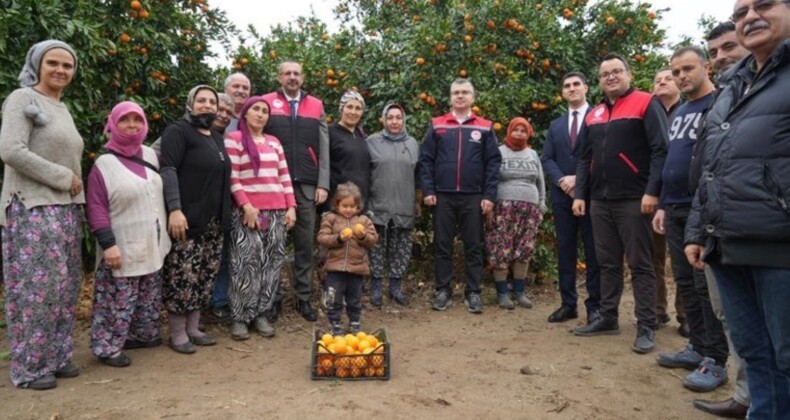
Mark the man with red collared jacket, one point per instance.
(298, 121)
(620, 167)
(459, 172)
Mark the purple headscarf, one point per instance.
(122, 143)
(246, 138)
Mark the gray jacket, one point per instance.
(392, 180)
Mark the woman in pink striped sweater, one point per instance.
(265, 209)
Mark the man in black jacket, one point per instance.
(620, 166)
(740, 221)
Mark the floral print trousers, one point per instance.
(124, 308)
(511, 232)
(42, 264)
(190, 269)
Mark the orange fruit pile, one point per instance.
(350, 356)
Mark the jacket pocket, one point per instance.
(775, 187)
(628, 162)
(313, 157)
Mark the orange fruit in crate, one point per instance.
(361, 335)
(355, 372)
(363, 345)
(360, 361)
(326, 362)
(373, 341)
(380, 371)
(340, 347)
(370, 371)
(341, 372)
(327, 339)
(331, 348)
(322, 349)
(343, 362)
(377, 360)
(352, 341)
(319, 371)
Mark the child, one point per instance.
(346, 235)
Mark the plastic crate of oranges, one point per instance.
(361, 356)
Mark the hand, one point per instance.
(320, 195)
(345, 234)
(250, 217)
(578, 208)
(487, 206)
(290, 218)
(568, 184)
(177, 225)
(76, 185)
(658, 222)
(112, 257)
(694, 254)
(359, 231)
(429, 200)
(649, 204)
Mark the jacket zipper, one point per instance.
(779, 194)
(458, 170)
(345, 259)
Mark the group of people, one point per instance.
(198, 222)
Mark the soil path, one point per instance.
(445, 365)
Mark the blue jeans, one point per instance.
(755, 301)
(219, 297)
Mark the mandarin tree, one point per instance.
(514, 51)
(148, 51)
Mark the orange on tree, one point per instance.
(468, 38)
(135, 5)
(610, 20)
(330, 73)
(497, 126)
(125, 38)
(420, 61)
(463, 73)
(144, 14)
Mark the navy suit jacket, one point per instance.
(558, 159)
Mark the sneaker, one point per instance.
(707, 377)
(264, 327)
(441, 301)
(645, 340)
(354, 327)
(504, 302)
(474, 304)
(43, 383)
(69, 370)
(337, 329)
(598, 326)
(523, 301)
(399, 298)
(239, 331)
(688, 358)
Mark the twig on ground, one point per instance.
(243, 404)
(103, 381)
(238, 349)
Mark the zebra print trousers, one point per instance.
(256, 257)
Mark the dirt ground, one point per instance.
(444, 365)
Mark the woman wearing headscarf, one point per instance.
(521, 201)
(265, 209)
(393, 164)
(41, 218)
(196, 178)
(349, 157)
(126, 213)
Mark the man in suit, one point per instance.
(559, 162)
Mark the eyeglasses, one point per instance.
(759, 7)
(615, 72)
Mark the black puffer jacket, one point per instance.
(741, 206)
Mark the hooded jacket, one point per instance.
(352, 255)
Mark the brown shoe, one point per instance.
(729, 408)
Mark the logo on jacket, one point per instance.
(598, 113)
(277, 103)
(476, 136)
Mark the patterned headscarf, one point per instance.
(349, 95)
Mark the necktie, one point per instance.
(292, 103)
(574, 129)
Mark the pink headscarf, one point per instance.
(122, 143)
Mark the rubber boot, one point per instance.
(396, 293)
(502, 296)
(519, 286)
(375, 292)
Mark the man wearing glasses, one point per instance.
(740, 221)
(620, 166)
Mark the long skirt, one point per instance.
(189, 271)
(124, 308)
(42, 264)
(256, 257)
(510, 236)
(392, 253)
